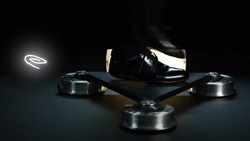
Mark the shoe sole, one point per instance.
(148, 81)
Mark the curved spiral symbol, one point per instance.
(32, 60)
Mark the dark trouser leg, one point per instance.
(156, 12)
(156, 18)
(141, 24)
(130, 35)
(158, 36)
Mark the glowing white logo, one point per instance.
(32, 59)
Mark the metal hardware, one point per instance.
(149, 116)
(220, 85)
(76, 84)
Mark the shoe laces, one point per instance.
(149, 54)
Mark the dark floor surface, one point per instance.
(31, 109)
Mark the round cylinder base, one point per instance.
(76, 84)
(220, 85)
(152, 117)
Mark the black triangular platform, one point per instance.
(140, 91)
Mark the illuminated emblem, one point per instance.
(33, 60)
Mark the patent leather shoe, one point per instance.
(145, 67)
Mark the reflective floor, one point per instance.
(33, 110)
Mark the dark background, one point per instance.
(211, 32)
(74, 35)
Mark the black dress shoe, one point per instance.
(145, 67)
(158, 39)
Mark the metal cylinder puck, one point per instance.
(220, 85)
(149, 117)
(76, 84)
